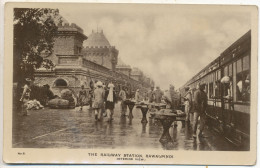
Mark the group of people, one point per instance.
(154, 95)
(170, 97)
(34, 97)
(196, 104)
(100, 98)
(103, 99)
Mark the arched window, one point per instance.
(60, 82)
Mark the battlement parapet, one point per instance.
(123, 67)
(109, 47)
(70, 27)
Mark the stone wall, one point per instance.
(64, 45)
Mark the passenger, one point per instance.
(137, 96)
(188, 104)
(26, 96)
(200, 105)
(151, 95)
(83, 97)
(103, 110)
(145, 96)
(158, 95)
(173, 97)
(228, 87)
(110, 97)
(91, 93)
(122, 96)
(98, 100)
(128, 93)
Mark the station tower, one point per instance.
(99, 50)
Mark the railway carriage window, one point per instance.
(246, 63)
(210, 80)
(217, 83)
(243, 80)
(206, 88)
(228, 87)
(219, 74)
(226, 71)
(217, 90)
(230, 70)
(239, 65)
(211, 90)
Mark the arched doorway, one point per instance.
(60, 83)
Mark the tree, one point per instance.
(34, 32)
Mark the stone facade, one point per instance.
(125, 69)
(76, 65)
(136, 74)
(99, 50)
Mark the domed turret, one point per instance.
(98, 49)
(97, 39)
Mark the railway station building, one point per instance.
(77, 65)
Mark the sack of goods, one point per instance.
(34, 105)
(58, 103)
(66, 94)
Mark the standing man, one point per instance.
(137, 96)
(173, 101)
(151, 95)
(122, 96)
(110, 97)
(83, 97)
(26, 96)
(188, 103)
(98, 103)
(91, 93)
(158, 95)
(200, 105)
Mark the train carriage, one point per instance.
(227, 84)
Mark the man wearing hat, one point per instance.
(200, 105)
(137, 96)
(26, 96)
(98, 100)
(158, 95)
(83, 97)
(122, 95)
(151, 95)
(188, 103)
(110, 97)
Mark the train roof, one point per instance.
(230, 49)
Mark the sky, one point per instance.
(169, 43)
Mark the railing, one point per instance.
(94, 66)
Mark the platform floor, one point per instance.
(63, 128)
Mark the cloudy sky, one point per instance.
(169, 43)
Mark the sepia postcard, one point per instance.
(100, 83)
